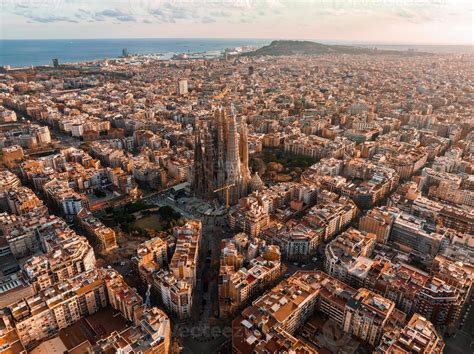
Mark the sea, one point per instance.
(21, 53)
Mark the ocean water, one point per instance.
(18, 53)
(41, 52)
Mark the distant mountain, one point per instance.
(284, 47)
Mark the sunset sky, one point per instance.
(373, 21)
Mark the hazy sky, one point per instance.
(382, 21)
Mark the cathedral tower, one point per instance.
(221, 157)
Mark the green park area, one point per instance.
(285, 159)
(139, 217)
(279, 166)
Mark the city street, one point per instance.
(462, 341)
(204, 332)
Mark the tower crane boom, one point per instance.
(226, 189)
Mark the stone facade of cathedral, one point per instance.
(221, 157)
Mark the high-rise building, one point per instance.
(182, 87)
(221, 157)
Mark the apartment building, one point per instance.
(64, 260)
(176, 294)
(415, 291)
(379, 221)
(150, 333)
(280, 312)
(65, 199)
(22, 200)
(331, 216)
(94, 228)
(237, 284)
(8, 181)
(43, 315)
(413, 234)
(418, 336)
(366, 315)
(317, 147)
(459, 274)
(151, 256)
(347, 256)
(176, 285)
(183, 264)
(250, 215)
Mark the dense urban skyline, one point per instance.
(236, 196)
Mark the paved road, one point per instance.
(210, 335)
(202, 333)
(162, 200)
(460, 342)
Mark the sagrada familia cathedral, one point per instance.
(221, 158)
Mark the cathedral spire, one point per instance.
(221, 156)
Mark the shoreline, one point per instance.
(27, 53)
(97, 61)
(220, 46)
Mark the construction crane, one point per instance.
(226, 189)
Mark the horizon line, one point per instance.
(362, 42)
